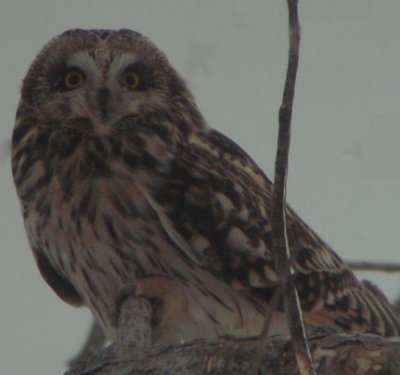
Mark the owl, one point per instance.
(124, 186)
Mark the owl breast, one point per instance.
(87, 237)
(100, 228)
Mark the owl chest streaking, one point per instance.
(123, 184)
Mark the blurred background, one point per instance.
(344, 169)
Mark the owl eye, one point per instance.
(131, 80)
(74, 79)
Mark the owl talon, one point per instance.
(128, 291)
(166, 296)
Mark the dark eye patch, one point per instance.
(57, 77)
(145, 74)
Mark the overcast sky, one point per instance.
(345, 160)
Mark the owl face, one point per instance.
(94, 79)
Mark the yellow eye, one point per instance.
(74, 79)
(131, 80)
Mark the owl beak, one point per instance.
(103, 99)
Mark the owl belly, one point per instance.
(105, 238)
(92, 244)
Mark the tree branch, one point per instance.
(334, 353)
(374, 266)
(281, 249)
(95, 340)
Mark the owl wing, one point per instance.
(60, 285)
(219, 202)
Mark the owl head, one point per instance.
(93, 80)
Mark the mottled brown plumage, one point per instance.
(123, 185)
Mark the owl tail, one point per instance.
(382, 314)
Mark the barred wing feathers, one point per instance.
(220, 201)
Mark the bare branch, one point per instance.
(335, 354)
(280, 241)
(94, 341)
(132, 343)
(374, 266)
(396, 305)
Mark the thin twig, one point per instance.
(280, 240)
(374, 266)
(396, 305)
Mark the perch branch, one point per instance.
(95, 340)
(334, 353)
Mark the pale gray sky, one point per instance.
(345, 160)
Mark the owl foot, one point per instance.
(168, 302)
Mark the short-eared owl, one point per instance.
(123, 184)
